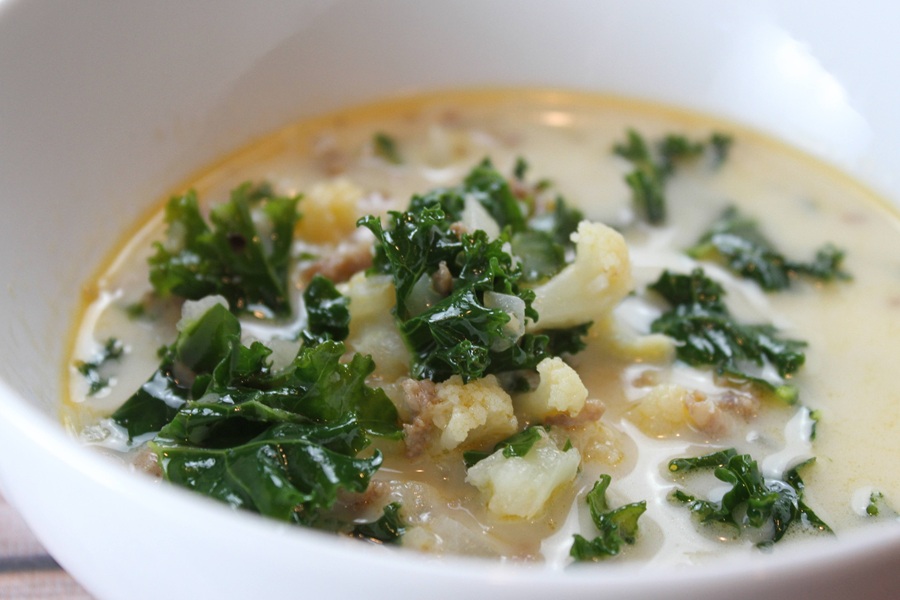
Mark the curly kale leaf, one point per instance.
(232, 255)
(287, 472)
(753, 501)
(617, 527)
(327, 312)
(654, 165)
(738, 242)
(540, 238)
(281, 442)
(450, 327)
(707, 334)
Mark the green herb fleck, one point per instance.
(815, 416)
(875, 498)
(385, 146)
(112, 349)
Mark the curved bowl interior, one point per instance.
(103, 109)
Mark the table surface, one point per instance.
(26, 570)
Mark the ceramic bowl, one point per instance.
(104, 107)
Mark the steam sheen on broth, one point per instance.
(643, 407)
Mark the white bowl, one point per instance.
(104, 107)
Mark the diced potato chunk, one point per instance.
(372, 330)
(329, 212)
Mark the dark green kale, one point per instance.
(92, 369)
(617, 527)
(232, 256)
(327, 312)
(388, 529)
(518, 444)
(385, 146)
(281, 442)
(737, 241)
(707, 334)
(442, 276)
(753, 501)
(653, 166)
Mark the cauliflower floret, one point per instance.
(330, 211)
(591, 286)
(668, 409)
(520, 486)
(663, 410)
(473, 412)
(560, 391)
(371, 331)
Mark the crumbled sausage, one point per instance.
(348, 259)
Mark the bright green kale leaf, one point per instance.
(707, 334)
(92, 369)
(753, 501)
(199, 349)
(738, 242)
(232, 256)
(449, 326)
(653, 166)
(288, 471)
(616, 526)
(327, 312)
(281, 442)
(388, 529)
(540, 238)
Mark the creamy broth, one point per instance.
(851, 327)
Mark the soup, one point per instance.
(538, 326)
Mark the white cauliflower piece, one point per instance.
(560, 391)
(330, 211)
(473, 412)
(619, 340)
(591, 286)
(670, 409)
(372, 330)
(521, 486)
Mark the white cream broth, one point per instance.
(852, 327)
